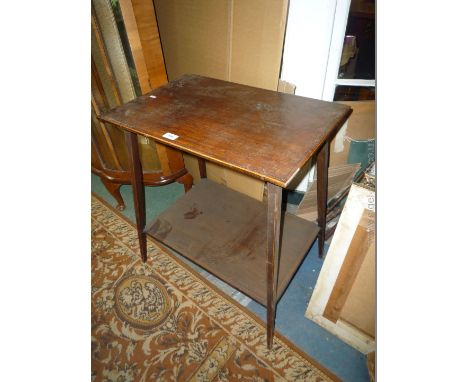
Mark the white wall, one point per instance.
(312, 52)
(307, 44)
(306, 48)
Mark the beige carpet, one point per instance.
(161, 321)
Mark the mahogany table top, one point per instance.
(265, 134)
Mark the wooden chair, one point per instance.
(109, 159)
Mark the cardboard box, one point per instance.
(359, 127)
(238, 41)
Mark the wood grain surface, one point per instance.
(349, 270)
(264, 134)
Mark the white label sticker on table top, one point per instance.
(171, 136)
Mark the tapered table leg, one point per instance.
(322, 194)
(274, 194)
(136, 175)
(202, 167)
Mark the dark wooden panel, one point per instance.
(138, 190)
(225, 232)
(274, 197)
(265, 134)
(322, 191)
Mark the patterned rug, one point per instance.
(161, 321)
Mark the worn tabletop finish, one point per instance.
(262, 133)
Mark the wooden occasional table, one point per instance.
(261, 133)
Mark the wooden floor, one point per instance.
(224, 232)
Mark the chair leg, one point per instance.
(187, 181)
(114, 190)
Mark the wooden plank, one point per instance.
(347, 333)
(96, 157)
(111, 40)
(105, 95)
(105, 133)
(143, 36)
(359, 200)
(99, 101)
(104, 56)
(359, 308)
(243, 128)
(105, 142)
(371, 365)
(349, 270)
(97, 89)
(147, 148)
(133, 36)
(148, 32)
(225, 232)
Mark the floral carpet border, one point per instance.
(285, 359)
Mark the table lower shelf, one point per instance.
(224, 232)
